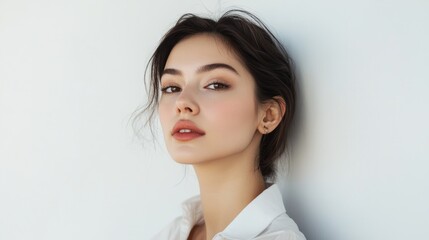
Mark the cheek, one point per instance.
(164, 112)
(234, 115)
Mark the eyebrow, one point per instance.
(204, 68)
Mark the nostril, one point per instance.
(185, 109)
(186, 106)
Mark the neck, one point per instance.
(226, 187)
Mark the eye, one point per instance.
(217, 86)
(170, 89)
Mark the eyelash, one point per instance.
(165, 89)
(223, 86)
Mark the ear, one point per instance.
(273, 112)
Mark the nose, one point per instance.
(185, 103)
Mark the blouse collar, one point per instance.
(249, 223)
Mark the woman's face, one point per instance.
(208, 108)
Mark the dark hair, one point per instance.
(263, 56)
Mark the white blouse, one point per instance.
(264, 218)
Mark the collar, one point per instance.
(265, 208)
(192, 214)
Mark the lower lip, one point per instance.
(186, 136)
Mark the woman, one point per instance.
(224, 91)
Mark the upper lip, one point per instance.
(186, 124)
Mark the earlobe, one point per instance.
(273, 114)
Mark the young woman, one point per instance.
(224, 91)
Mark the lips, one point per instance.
(185, 130)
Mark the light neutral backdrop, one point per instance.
(71, 74)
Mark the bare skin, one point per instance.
(233, 121)
(224, 193)
(198, 232)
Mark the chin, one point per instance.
(182, 160)
(187, 157)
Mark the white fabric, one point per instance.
(264, 218)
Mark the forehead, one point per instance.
(194, 51)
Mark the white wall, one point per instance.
(71, 75)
